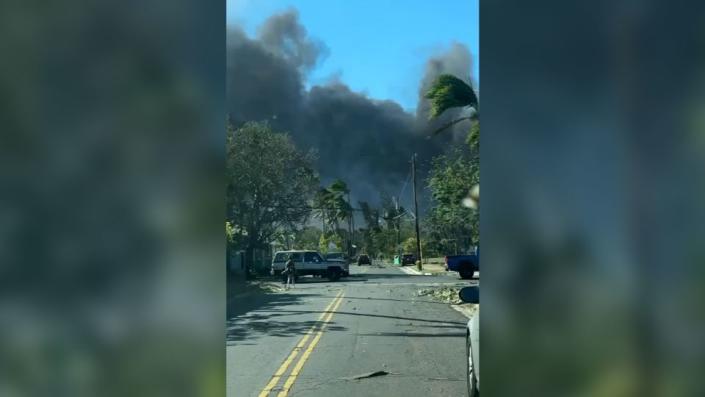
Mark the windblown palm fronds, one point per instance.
(447, 92)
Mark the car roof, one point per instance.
(293, 251)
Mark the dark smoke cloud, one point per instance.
(458, 62)
(260, 84)
(366, 142)
(284, 36)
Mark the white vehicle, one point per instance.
(336, 256)
(472, 341)
(309, 263)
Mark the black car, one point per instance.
(363, 260)
(408, 259)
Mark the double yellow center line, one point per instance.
(320, 325)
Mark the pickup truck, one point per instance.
(465, 265)
(309, 263)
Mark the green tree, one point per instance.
(456, 179)
(307, 238)
(448, 92)
(409, 244)
(229, 232)
(323, 244)
(371, 232)
(332, 207)
(269, 184)
(321, 209)
(451, 179)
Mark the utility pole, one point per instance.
(352, 222)
(350, 229)
(416, 213)
(396, 214)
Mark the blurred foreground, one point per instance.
(593, 216)
(111, 246)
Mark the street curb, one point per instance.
(414, 272)
(468, 310)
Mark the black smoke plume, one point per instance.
(366, 142)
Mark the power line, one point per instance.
(408, 178)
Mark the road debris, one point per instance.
(367, 375)
(263, 286)
(442, 294)
(271, 287)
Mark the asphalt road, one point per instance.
(313, 340)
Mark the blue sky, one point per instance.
(376, 46)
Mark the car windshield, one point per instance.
(284, 256)
(335, 255)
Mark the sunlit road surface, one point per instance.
(320, 338)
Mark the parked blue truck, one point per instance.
(465, 265)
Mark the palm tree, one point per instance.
(332, 207)
(448, 92)
(322, 209)
(339, 190)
